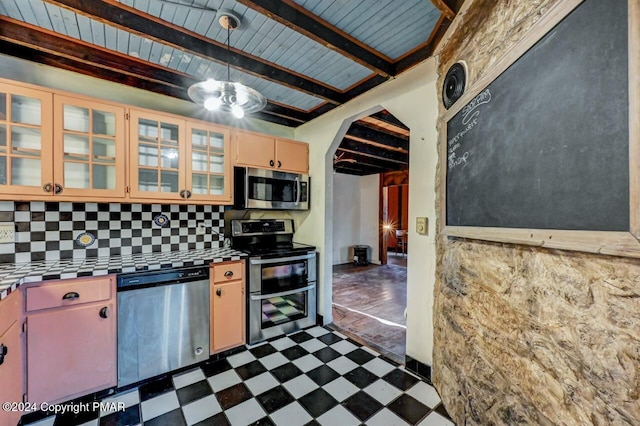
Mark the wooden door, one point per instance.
(209, 174)
(228, 315)
(26, 141)
(71, 352)
(157, 156)
(292, 156)
(89, 148)
(255, 150)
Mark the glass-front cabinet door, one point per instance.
(26, 164)
(157, 156)
(89, 149)
(209, 165)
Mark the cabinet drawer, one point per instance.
(66, 293)
(225, 272)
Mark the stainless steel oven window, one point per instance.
(283, 309)
(282, 277)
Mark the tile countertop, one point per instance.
(12, 275)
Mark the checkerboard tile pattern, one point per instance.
(311, 377)
(48, 230)
(12, 275)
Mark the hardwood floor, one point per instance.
(369, 303)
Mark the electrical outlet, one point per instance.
(7, 232)
(200, 229)
(422, 225)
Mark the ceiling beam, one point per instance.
(302, 21)
(443, 7)
(363, 132)
(356, 147)
(132, 20)
(366, 160)
(426, 51)
(46, 47)
(363, 170)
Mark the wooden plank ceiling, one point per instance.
(306, 56)
(375, 144)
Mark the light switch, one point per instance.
(422, 225)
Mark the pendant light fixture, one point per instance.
(227, 96)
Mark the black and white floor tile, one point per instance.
(312, 377)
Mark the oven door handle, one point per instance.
(283, 293)
(282, 259)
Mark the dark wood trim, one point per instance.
(427, 49)
(48, 41)
(369, 169)
(389, 118)
(382, 213)
(148, 26)
(355, 147)
(443, 7)
(384, 165)
(329, 36)
(364, 132)
(35, 44)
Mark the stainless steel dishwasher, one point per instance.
(163, 322)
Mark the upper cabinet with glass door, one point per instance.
(157, 156)
(26, 165)
(209, 172)
(89, 148)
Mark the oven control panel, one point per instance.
(261, 227)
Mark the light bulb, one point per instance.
(237, 111)
(210, 85)
(212, 103)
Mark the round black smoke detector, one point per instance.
(453, 84)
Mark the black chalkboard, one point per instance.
(546, 144)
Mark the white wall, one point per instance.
(355, 209)
(412, 98)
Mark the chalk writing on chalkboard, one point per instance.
(470, 114)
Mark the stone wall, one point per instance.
(525, 335)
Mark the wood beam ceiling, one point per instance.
(134, 21)
(47, 47)
(293, 16)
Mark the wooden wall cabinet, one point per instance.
(11, 356)
(26, 134)
(71, 338)
(267, 152)
(175, 159)
(58, 146)
(227, 305)
(89, 148)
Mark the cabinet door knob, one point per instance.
(188, 194)
(218, 291)
(279, 164)
(228, 274)
(271, 163)
(57, 189)
(72, 295)
(183, 193)
(47, 187)
(104, 312)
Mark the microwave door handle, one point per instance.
(281, 259)
(298, 190)
(283, 293)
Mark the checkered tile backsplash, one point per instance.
(48, 230)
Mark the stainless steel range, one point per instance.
(282, 277)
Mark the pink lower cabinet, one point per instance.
(227, 306)
(71, 338)
(11, 358)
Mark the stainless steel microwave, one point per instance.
(270, 189)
